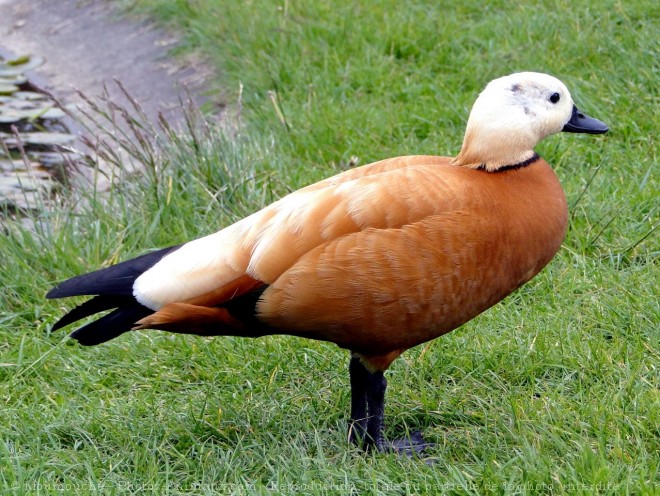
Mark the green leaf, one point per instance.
(7, 89)
(19, 69)
(39, 139)
(21, 60)
(17, 79)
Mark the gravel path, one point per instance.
(88, 43)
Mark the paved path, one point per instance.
(88, 43)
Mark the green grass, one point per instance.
(553, 391)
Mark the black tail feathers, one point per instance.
(114, 280)
(90, 307)
(110, 326)
(114, 289)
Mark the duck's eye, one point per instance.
(554, 98)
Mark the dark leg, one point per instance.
(368, 413)
(357, 428)
(377, 384)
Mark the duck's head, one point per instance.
(513, 113)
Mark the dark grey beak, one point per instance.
(581, 123)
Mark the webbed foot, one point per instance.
(412, 445)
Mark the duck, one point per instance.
(376, 259)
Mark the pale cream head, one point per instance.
(510, 116)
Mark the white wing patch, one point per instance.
(212, 261)
(268, 242)
(194, 269)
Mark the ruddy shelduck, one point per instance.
(376, 259)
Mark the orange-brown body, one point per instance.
(435, 245)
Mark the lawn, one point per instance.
(553, 391)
